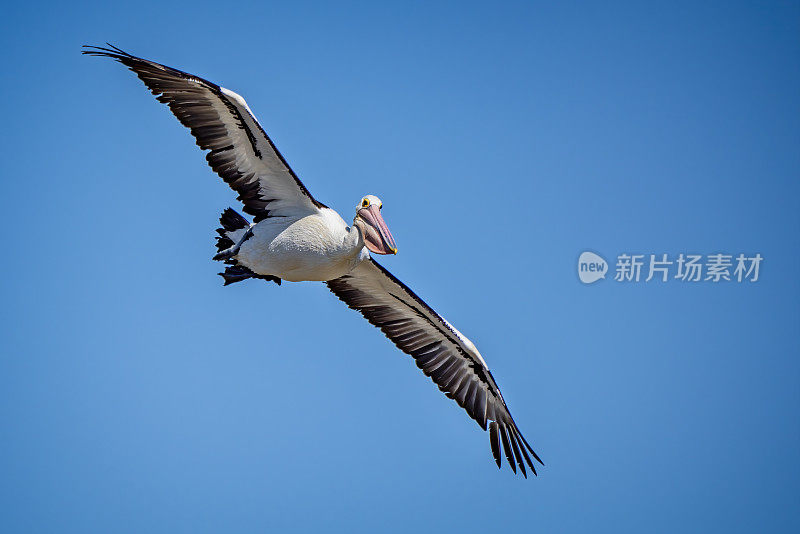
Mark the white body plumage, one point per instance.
(315, 247)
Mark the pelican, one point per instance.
(295, 237)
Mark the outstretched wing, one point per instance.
(441, 351)
(240, 151)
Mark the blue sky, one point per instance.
(139, 395)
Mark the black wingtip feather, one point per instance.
(507, 448)
(494, 439)
(512, 437)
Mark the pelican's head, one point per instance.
(377, 236)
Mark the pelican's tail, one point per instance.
(234, 226)
(233, 233)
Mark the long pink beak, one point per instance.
(378, 239)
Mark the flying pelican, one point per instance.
(295, 237)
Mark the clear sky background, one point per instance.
(139, 395)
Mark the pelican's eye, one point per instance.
(365, 203)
